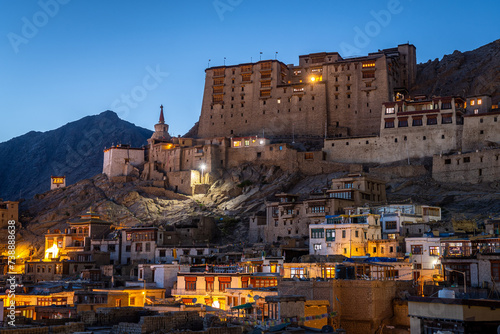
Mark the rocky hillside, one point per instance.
(74, 150)
(238, 194)
(462, 73)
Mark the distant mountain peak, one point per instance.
(74, 150)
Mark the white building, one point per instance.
(120, 160)
(394, 216)
(346, 235)
(424, 255)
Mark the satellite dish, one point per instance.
(327, 329)
(256, 297)
(194, 300)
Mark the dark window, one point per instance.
(447, 161)
(432, 121)
(417, 122)
(403, 123)
(446, 120)
(389, 124)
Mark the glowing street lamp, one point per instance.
(203, 166)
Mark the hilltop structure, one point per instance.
(358, 109)
(325, 95)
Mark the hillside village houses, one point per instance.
(328, 254)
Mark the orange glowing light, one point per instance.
(52, 252)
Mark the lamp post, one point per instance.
(463, 273)
(202, 167)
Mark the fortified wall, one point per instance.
(422, 128)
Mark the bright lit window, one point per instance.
(390, 110)
(479, 101)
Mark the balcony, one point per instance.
(197, 292)
(469, 251)
(316, 214)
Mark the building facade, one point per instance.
(324, 94)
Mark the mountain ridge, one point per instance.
(73, 150)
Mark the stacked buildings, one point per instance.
(322, 254)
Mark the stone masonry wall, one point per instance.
(69, 328)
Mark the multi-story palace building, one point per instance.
(324, 95)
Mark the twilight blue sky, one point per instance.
(62, 60)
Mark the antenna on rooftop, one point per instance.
(224, 61)
(276, 55)
(209, 62)
(260, 57)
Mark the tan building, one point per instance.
(221, 290)
(291, 217)
(324, 93)
(77, 237)
(9, 210)
(346, 235)
(57, 182)
(450, 315)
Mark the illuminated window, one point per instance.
(369, 64)
(329, 272)
(237, 143)
(390, 110)
(247, 142)
(434, 250)
(479, 101)
(317, 246)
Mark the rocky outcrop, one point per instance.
(74, 150)
(475, 72)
